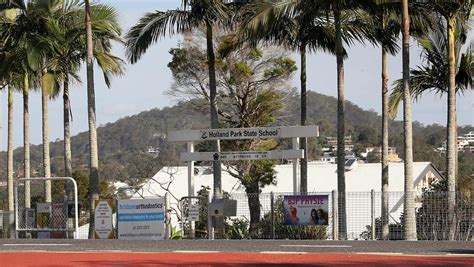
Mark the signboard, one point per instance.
(43, 217)
(242, 155)
(243, 133)
(306, 210)
(193, 213)
(141, 219)
(103, 219)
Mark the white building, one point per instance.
(322, 178)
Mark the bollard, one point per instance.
(335, 224)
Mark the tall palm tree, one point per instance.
(431, 75)
(105, 47)
(305, 27)
(409, 201)
(453, 11)
(70, 54)
(193, 14)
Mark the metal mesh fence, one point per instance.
(261, 216)
(36, 218)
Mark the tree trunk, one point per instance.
(94, 159)
(409, 219)
(26, 140)
(303, 141)
(385, 185)
(254, 208)
(341, 180)
(11, 196)
(67, 140)
(451, 147)
(214, 119)
(46, 159)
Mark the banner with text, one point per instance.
(141, 219)
(306, 210)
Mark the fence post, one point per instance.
(13, 216)
(167, 217)
(335, 224)
(372, 213)
(210, 229)
(272, 215)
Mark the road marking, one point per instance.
(30, 245)
(317, 246)
(380, 253)
(282, 252)
(195, 251)
(106, 250)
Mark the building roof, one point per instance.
(321, 178)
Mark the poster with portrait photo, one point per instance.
(306, 210)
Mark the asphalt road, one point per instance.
(245, 246)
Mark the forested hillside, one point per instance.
(124, 144)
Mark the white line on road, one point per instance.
(380, 253)
(317, 246)
(282, 252)
(31, 245)
(195, 251)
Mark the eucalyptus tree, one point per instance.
(193, 14)
(305, 28)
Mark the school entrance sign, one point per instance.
(243, 133)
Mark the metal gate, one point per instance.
(36, 218)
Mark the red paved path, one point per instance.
(220, 259)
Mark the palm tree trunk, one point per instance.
(212, 93)
(409, 204)
(10, 150)
(303, 143)
(385, 185)
(46, 159)
(94, 159)
(451, 148)
(341, 180)
(67, 139)
(10, 184)
(26, 140)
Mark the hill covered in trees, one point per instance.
(135, 147)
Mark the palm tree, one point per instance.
(70, 54)
(192, 15)
(304, 27)
(103, 47)
(431, 75)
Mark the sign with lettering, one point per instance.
(306, 210)
(103, 219)
(193, 212)
(243, 133)
(141, 219)
(242, 155)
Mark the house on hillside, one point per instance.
(322, 178)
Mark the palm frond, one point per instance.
(152, 26)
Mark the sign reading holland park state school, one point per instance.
(141, 219)
(244, 133)
(306, 210)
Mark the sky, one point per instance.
(144, 83)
